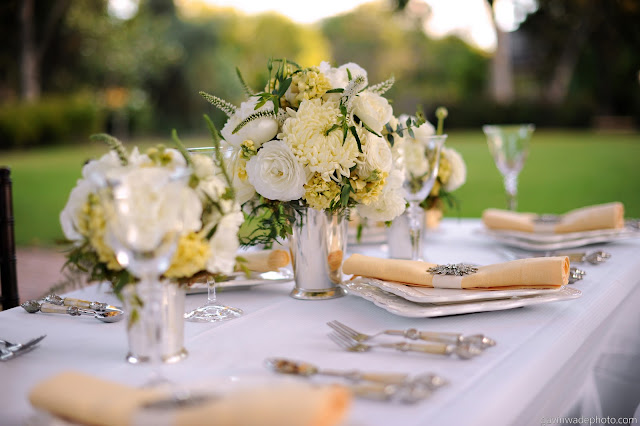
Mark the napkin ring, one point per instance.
(457, 269)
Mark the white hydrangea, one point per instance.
(305, 133)
(259, 131)
(458, 169)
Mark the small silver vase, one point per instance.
(318, 246)
(171, 318)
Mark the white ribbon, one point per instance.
(447, 281)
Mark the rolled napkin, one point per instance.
(536, 273)
(266, 260)
(602, 216)
(88, 400)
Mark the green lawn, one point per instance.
(564, 170)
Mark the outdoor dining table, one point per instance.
(574, 358)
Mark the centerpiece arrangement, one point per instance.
(308, 148)
(155, 219)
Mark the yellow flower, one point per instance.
(367, 191)
(305, 85)
(93, 225)
(319, 193)
(444, 173)
(190, 257)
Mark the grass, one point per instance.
(564, 170)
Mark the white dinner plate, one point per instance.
(241, 281)
(406, 308)
(446, 295)
(545, 242)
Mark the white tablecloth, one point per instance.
(572, 358)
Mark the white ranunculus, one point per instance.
(376, 156)
(224, 244)
(458, 169)
(373, 110)
(389, 205)
(338, 77)
(70, 214)
(275, 172)
(259, 131)
(243, 189)
(149, 204)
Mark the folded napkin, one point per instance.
(88, 400)
(266, 260)
(537, 273)
(602, 216)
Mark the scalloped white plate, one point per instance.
(445, 295)
(543, 242)
(406, 308)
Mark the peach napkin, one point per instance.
(266, 260)
(602, 216)
(536, 273)
(89, 400)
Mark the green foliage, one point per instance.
(269, 221)
(51, 120)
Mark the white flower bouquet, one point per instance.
(205, 202)
(312, 139)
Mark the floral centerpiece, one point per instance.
(211, 217)
(310, 141)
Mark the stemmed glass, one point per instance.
(211, 311)
(420, 162)
(144, 224)
(509, 146)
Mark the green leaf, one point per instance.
(344, 195)
(369, 129)
(338, 90)
(284, 86)
(114, 144)
(349, 74)
(355, 135)
(331, 129)
(180, 147)
(390, 139)
(410, 130)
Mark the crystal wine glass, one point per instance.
(145, 220)
(420, 160)
(509, 146)
(211, 311)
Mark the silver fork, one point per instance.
(464, 351)
(478, 340)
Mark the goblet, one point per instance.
(211, 311)
(509, 146)
(420, 160)
(144, 223)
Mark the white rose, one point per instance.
(458, 169)
(224, 244)
(96, 171)
(71, 212)
(389, 205)
(338, 77)
(148, 205)
(275, 172)
(259, 131)
(376, 156)
(373, 110)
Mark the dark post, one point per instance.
(8, 273)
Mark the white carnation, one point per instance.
(338, 77)
(203, 166)
(259, 131)
(224, 244)
(458, 169)
(276, 173)
(373, 110)
(376, 156)
(70, 215)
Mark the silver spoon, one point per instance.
(113, 315)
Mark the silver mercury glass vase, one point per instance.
(318, 246)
